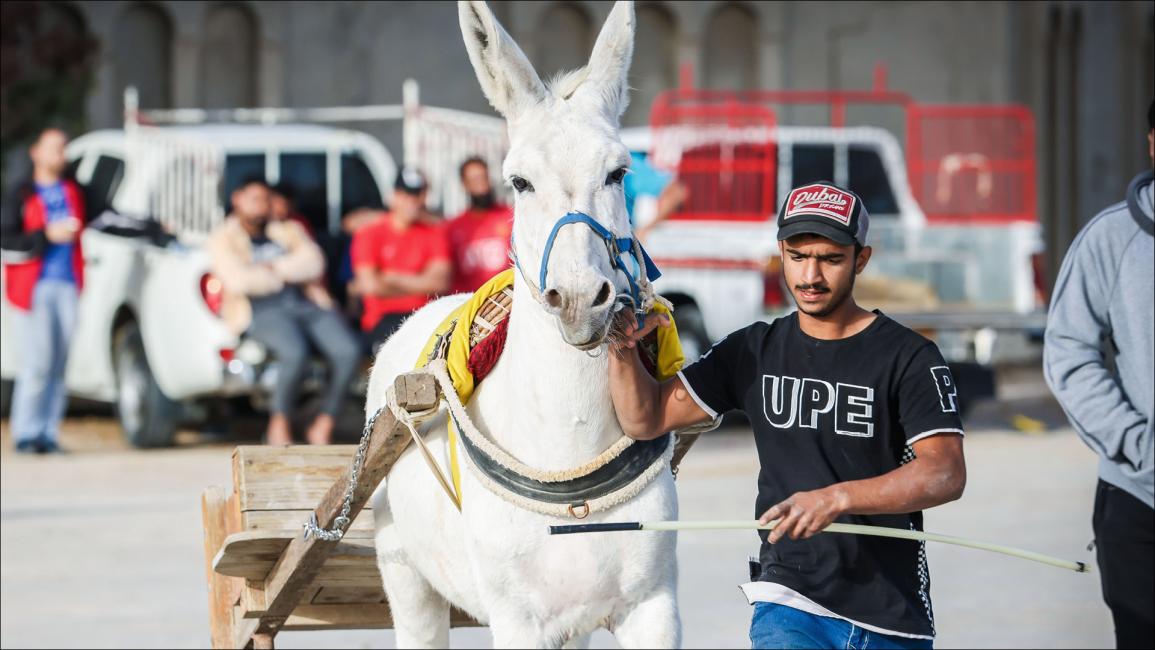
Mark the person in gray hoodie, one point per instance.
(1099, 360)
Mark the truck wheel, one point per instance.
(5, 397)
(147, 417)
(691, 331)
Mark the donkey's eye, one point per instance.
(520, 184)
(616, 176)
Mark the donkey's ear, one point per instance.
(609, 66)
(507, 78)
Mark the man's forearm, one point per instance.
(1074, 362)
(635, 394)
(1091, 396)
(937, 475)
(405, 284)
(918, 485)
(391, 284)
(13, 237)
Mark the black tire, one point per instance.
(5, 397)
(147, 417)
(691, 331)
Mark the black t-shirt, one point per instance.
(824, 412)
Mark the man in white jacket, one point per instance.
(268, 271)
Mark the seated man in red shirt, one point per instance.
(479, 237)
(399, 261)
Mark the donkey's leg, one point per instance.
(420, 614)
(652, 623)
(513, 630)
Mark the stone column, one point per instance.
(691, 28)
(771, 26)
(187, 27)
(271, 18)
(104, 103)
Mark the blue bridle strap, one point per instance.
(617, 246)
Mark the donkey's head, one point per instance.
(564, 157)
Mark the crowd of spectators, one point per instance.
(275, 289)
(298, 291)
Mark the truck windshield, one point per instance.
(358, 188)
(812, 163)
(105, 181)
(867, 177)
(305, 174)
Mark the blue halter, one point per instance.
(617, 247)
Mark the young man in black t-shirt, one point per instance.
(856, 420)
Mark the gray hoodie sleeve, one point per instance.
(1074, 360)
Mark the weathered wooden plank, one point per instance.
(352, 566)
(361, 574)
(352, 577)
(346, 596)
(304, 558)
(311, 594)
(458, 618)
(250, 554)
(292, 478)
(222, 589)
(243, 630)
(293, 519)
(252, 599)
(364, 616)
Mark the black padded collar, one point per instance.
(612, 476)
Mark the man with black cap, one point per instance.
(400, 261)
(1099, 360)
(856, 420)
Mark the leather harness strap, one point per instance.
(609, 478)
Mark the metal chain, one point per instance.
(342, 521)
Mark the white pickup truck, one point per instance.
(148, 337)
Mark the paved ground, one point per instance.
(102, 547)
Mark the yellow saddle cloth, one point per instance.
(453, 341)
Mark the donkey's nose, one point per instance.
(604, 295)
(573, 302)
(554, 299)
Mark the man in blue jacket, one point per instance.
(40, 227)
(1099, 359)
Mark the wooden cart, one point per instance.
(264, 575)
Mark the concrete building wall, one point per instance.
(1084, 68)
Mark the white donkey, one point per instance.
(546, 402)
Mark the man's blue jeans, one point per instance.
(39, 397)
(779, 626)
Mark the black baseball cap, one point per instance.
(410, 180)
(826, 210)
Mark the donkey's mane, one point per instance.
(565, 83)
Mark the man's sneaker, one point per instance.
(28, 446)
(46, 446)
